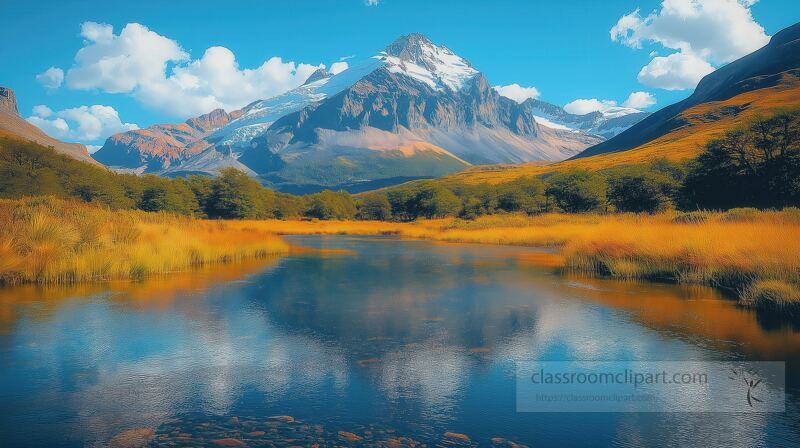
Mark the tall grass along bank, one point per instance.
(755, 254)
(50, 241)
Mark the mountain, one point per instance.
(159, 147)
(721, 96)
(13, 125)
(760, 84)
(606, 124)
(414, 110)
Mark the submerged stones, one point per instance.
(285, 431)
(132, 438)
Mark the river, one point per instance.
(379, 337)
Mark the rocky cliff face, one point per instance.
(13, 125)
(8, 101)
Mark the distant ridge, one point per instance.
(766, 67)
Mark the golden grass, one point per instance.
(756, 253)
(733, 250)
(52, 241)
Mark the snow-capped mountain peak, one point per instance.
(438, 66)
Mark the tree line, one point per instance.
(754, 166)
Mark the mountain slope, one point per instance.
(13, 125)
(776, 64)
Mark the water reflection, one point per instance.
(410, 335)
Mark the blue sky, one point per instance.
(562, 48)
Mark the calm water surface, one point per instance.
(410, 335)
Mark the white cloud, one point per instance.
(677, 71)
(84, 123)
(639, 100)
(121, 63)
(160, 74)
(636, 100)
(42, 111)
(517, 93)
(703, 32)
(51, 78)
(585, 106)
(338, 67)
(371, 2)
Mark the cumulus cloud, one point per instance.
(636, 100)
(640, 100)
(83, 124)
(121, 63)
(371, 2)
(704, 33)
(338, 67)
(584, 106)
(51, 78)
(677, 71)
(160, 74)
(517, 93)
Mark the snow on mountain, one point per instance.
(616, 112)
(259, 115)
(606, 123)
(552, 125)
(437, 66)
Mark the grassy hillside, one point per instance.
(695, 127)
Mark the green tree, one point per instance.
(173, 196)
(758, 166)
(235, 195)
(645, 188)
(328, 204)
(578, 191)
(374, 206)
(525, 194)
(435, 201)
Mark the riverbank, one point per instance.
(753, 254)
(52, 241)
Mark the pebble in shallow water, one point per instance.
(285, 431)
